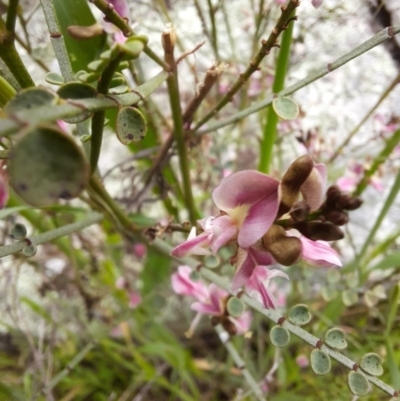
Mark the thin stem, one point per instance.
(376, 40)
(214, 39)
(239, 362)
(273, 315)
(123, 23)
(12, 14)
(48, 236)
(57, 40)
(269, 132)
(266, 46)
(384, 95)
(9, 53)
(48, 113)
(168, 40)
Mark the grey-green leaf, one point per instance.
(235, 307)
(18, 231)
(371, 364)
(54, 78)
(286, 108)
(29, 250)
(320, 362)
(29, 99)
(131, 125)
(349, 297)
(45, 165)
(279, 336)
(334, 338)
(299, 315)
(358, 383)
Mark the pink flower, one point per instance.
(257, 285)
(3, 185)
(140, 250)
(319, 253)
(349, 182)
(182, 284)
(134, 299)
(122, 8)
(317, 3)
(302, 361)
(210, 300)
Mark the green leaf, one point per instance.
(47, 165)
(131, 125)
(389, 262)
(349, 297)
(334, 338)
(38, 309)
(358, 383)
(77, 12)
(18, 231)
(371, 364)
(320, 362)
(393, 363)
(156, 271)
(299, 315)
(30, 98)
(235, 307)
(393, 305)
(286, 108)
(279, 336)
(54, 78)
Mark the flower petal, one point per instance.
(224, 230)
(319, 253)
(193, 246)
(243, 322)
(245, 267)
(243, 187)
(313, 189)
(204, 308)
(258, 220)
(182, 284)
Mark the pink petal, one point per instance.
(120, 6)
(243, 322)
(313, 190)
(194, 246)
(258, 220)
(216, 297)
(134, 299)
(243, 187)
(317, 3)
(245, 267)
(204, 308)
(347, 184)
(182, 284)
(226, 231)
(319, 253)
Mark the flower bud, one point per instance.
(292, 181)
(347, 202)
(300, 211)
(332, 196)
(285, 250)
(337, 217)
(318, 230)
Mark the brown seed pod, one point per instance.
(337, 217)
(319, 230)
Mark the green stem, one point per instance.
(38, 115)
(376, 40)
(273, 315)
(12, 14)
(179, 134)
(384, 95)
(7, 92)
(214, 40)
(57, 40)
(48, 236)
(272, 119)
(239, 362)
(253, 66)
(385, 208)
(98, 119)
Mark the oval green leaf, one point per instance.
(30, 98)
(334, 338)
(320, 362)
(131, 125)
(286, 108)
(358, 383)
(235, 307)
(131, 48)
(349, 297)
(18, 231)
(47, 165)
(279, 336)
(29, 250)
(54, 78)
(371, 364)
(299, 315)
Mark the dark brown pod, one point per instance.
(285, 250)
(332, 196)
(347, 202)
(300, 211)
(318, 230)
(337, 217)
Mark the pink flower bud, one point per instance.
(140, 250)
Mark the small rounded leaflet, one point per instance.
(235, 307)
(46, 165)
(371, 363)
(18, 231)
(349, 297)
(133, 47)
(131, 125)
(29, 99)
(29, 250)
(54, 78)
(286, 108)
(76, 91)
(358, 383)
(320, 362)
(299, 315)
(279, 336)
(334, 338)
(211, 261)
